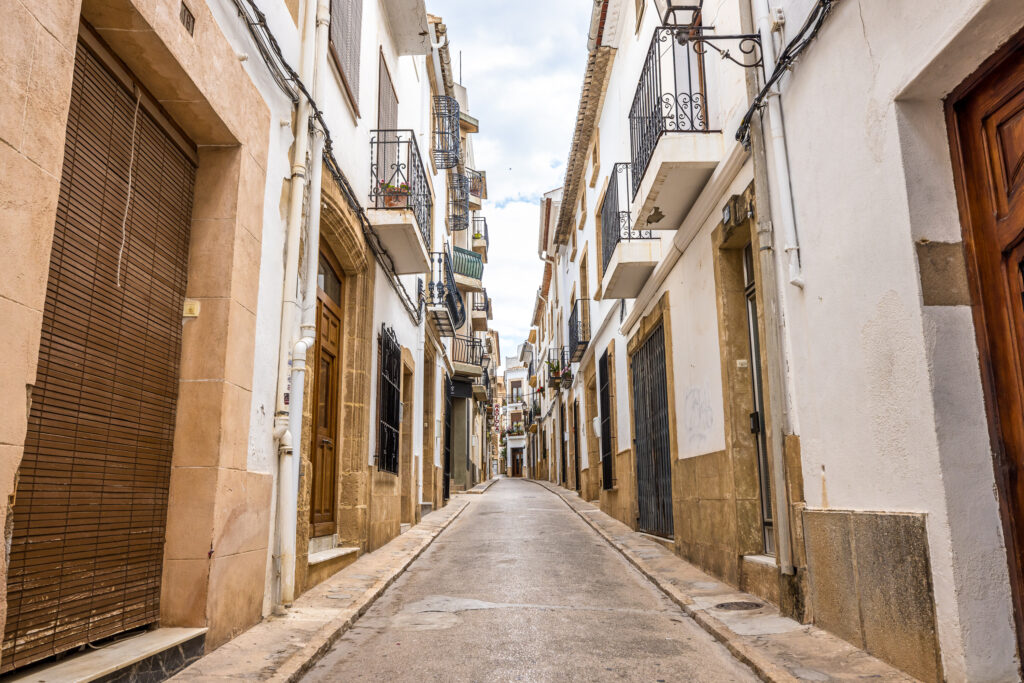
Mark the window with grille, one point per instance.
(345, 33)
(604, 382)
(389, 401)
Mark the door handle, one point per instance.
(325, 440)
(755, 422)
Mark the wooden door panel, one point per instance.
(986, 120)
(327, 390)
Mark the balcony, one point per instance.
(579, 329)
(469, 269)
(443, 302)
(446, 151)
(558, 367)
(481, 238)
(674, 146)
(401, 201)
(467, 356)
(408, 22)
(477, 188)
(482, 386)
(628, 256)
(458, 202)
(481, 311)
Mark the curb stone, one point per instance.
(770, 663)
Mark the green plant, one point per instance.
(478, 236)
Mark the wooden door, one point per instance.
(986, 118)
(324, 453)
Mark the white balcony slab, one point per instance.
(400, 235)
(468, 284)
(479, 321)
(408, 21)
(629, 268)
(681, 165)
(467, 369)
(480, 247)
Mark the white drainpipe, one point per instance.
(292, 360)
(780, 159)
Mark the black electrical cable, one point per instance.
(283, 74)
(785, 61)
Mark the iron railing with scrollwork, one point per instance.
(467, 350)
(467, 263)
(579, 329)
(671, 96)
(616, 221)
(442, 290)
(458, 202)
(446, 151)
(477, 183)
(480, 228)
(398, 179)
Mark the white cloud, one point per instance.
(522, 62)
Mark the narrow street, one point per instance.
(518, 588)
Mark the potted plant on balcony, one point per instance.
(478, 235)
(395, 196)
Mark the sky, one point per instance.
(522, 63)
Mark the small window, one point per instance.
(328, 280)
(389, 402)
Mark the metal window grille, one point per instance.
(398, 179)
(389, 399)
(579, 329)
(616, 222)
(446, 149)
(188, 20)
(604, 382)
(458, 202)
(757, 388)
(651, 436)
(345, 33)
(671, 95)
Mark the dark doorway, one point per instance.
(651, 431)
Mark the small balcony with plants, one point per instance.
(674, 142)
(401, 200)
(477, 188)
(559, 367)
(469, 269)
(481, 238)
(467, 354)
(443, 302)
(628, 256)
(481, 313)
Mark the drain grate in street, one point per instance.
(738, 606)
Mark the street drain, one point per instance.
(738, 606)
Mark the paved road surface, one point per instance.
(519, 588)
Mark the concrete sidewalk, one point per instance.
(775, 647)
(283, 648)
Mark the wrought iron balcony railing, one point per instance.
(442, 291)
(671, 96)
(579, 329)
(616, 222)
(477, 183)
(558, 366)
(480, 230)
(467, 263)
(397, 177)
(446, 151)
(468, 350)
(481, 302)
(458, 202)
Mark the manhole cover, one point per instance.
(738, 606)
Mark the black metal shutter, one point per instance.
(607, 473)
(651, 436)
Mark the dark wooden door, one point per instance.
(987, 131)
(576, 442)
(322, 508)
(651, 437)
(87, 536)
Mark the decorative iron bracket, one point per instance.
(748, 44)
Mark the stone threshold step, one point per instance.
(330, 554)
(152, 655)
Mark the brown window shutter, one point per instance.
(346, 34)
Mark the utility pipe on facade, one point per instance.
(773, 311)
(780, 159)
(291, 362)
